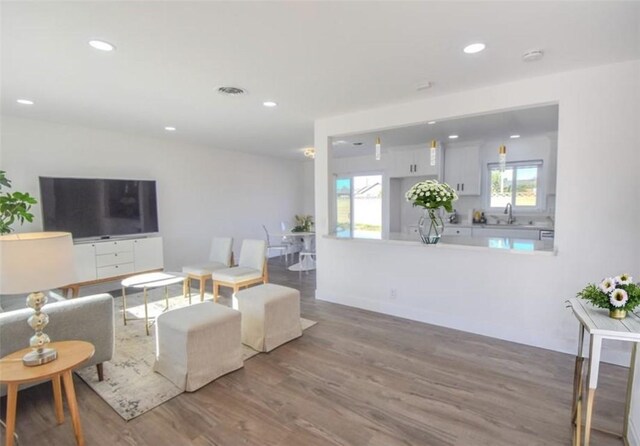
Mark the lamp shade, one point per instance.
(35, 261)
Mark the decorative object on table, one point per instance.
(431, 196)
(617, 294)
(13, 206)
(304, 223)
(36, 261)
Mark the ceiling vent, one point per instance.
(532, 55)
(231, 91)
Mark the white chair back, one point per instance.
(266, 233)
(253, 254)
(221, 250)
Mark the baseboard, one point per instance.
(633, 439)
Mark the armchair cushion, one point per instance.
(204, 268)
(236, 274)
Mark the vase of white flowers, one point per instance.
(617, 294)
(431, 196)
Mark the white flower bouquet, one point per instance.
(430, 194)
(613, 293)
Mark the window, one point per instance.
(519, 185)
(359, 206)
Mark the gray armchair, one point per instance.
(89, 318)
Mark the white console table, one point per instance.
(597, 323)
(100, 261)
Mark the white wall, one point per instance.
(515, 297)
(508, 296)
(201, 191)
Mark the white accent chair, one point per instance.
(220, 257)
(284, 248)
(251, 269)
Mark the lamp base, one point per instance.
(36, 357)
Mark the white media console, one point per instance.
(107, 260)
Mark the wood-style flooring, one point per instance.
(356, 378)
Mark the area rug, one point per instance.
(130, 385)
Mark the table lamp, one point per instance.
(32, 263)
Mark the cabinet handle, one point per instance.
(462, 187)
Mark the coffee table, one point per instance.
(149, 281)
(13, 373)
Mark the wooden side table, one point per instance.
(13, 373)
(600, 326)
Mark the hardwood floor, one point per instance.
(356, 378)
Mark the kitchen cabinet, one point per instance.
(507, 232)
(408, 163)
(462, 169)
(456, 231)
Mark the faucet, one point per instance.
(509, 210)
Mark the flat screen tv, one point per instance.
(99, 208)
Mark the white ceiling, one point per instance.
(315, 59)
(525, 122)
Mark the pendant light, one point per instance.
(378, 148)
(434, 144)
(502, 157)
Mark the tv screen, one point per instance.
(91, 207)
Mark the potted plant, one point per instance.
(304, 223)
(431, 196)
(617, 294)
(13, 206)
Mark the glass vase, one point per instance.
(430, 227)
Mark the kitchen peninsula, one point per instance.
(505, 244)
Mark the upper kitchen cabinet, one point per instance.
(462, 169)
(413, 162)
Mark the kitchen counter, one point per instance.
(504, 244)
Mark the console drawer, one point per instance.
(114, 246)
(115, 258)
(114, 270)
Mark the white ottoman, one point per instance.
(270, 316)
(197, 344)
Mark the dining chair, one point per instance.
(284, 248)
(220, 257)
(251, 269)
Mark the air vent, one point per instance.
(231, 91)
(532, 55)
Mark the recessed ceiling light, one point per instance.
(514, 136)
(474, 48)
(25, 101)
(170, 129)
(101, 45)
(269, 104)
(453, 136)
(431, 122)
(338, 142)
(424, 85)
(357, 143)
